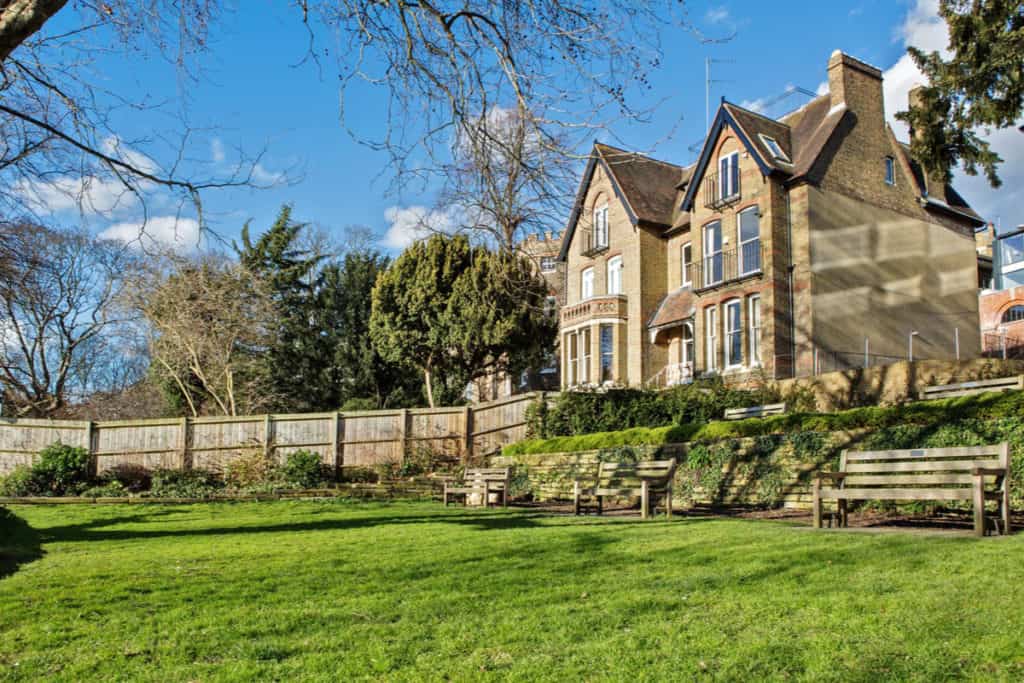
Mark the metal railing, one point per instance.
(672, 375)
(713, 189)
(1001, 345)
(725, 266)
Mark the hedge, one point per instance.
(921, 414)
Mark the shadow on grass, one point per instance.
(19, 543)
(96, 530)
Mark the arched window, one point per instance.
(1013, 314)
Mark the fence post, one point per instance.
(186, 456)
(93, 459)
(403, 432)
(267, 427)
(467, 425)
(337, 437)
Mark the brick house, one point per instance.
(1001, 303)
(791, 246)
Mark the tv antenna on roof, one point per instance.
(708, 61)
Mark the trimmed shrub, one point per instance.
(20, 482)
(250, 469)
(108, 489)
(185, 484)
(303, 469)
(132, 478)
(62, 469)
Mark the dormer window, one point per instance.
(729, 176)
(773, 146)
(890, 171)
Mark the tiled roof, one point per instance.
(938, 195)
(649, 185)
(674, 307)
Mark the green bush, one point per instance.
(108, 489)
(20, 482)
(303, 469)
(62, 469)
(185, 484)
(585, 412)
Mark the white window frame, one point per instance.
(572, 359)
(687, 346)
(585, 351)
(709, 255)
(756, 211)
(725, 175)
(686, 254)
(733, 328)
(600, 226)
(586, 284)
(711, 338)
(615, 267)
(773, 146)
(890, 171)
(548, 264)
(754, 329)
(602, 368)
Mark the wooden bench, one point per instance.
(755, 411)
(482, 480)
(968, 388)
(619, 480)
(975, 473)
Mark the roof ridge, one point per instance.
(757, 114)
(646, 157)
(801, 107)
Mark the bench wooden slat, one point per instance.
(897, 494)
(974, 387)
(619, 480)
(922, 453)
(908, 479)
(482, 480)
(921, 466)
(754, 411)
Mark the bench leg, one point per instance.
(1005, 500)
(668, 503)
(979, 505)
(645, 499)
(816, 510)
(843, 517)
(600, 505)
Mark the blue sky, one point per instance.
(253, 96)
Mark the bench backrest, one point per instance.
(629, 475)
(755, 411)
(486, 475)
(976, 387)
(945, 467)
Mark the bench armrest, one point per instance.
(832, 475)
(989, 471)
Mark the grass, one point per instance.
(987, 406)
(411, 591)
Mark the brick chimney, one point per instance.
(856, 84)
(984, 238)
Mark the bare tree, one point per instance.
(209, 322)
(59, 142)
(62, 333)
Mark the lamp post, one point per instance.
(910, 345)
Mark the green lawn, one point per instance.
(411, 591)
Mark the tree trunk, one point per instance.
(430, 387)
(19, 19)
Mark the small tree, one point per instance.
(980, 85)
(210, 323)
(458, 312)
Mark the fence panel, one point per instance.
(21, 440)
(307, 432)
(152, 444)
(499, 423)
(216, 441)
(373, 438)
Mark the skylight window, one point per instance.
(773, 147)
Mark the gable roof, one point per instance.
(645, 186)
(674, 307)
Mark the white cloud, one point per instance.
(407, 224)
(757, 105)
(716, 15)
(924, 28)
(175, 232)
(217, 150)
(262, 176)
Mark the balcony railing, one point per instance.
(726, 266)
(716, 195)
(610, 306)
(589, 245)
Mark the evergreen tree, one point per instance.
(980, 85)
(459, 312)
(299, 361)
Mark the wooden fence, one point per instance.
(343, 439)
